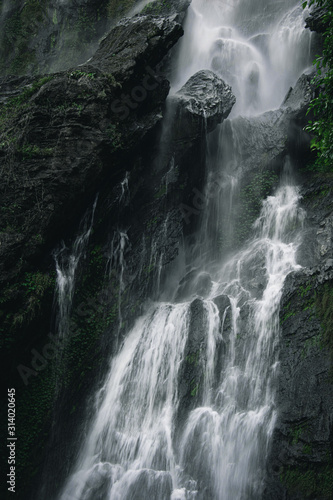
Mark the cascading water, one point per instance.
(188, 406)
(66, 266)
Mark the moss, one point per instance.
(29, 151)
(161, 192)
(27, 299)
(117, 8)
(193, 358)
(316, 482)
(297, 432)
(77, 74)
(324, 308)
(287, 313)
(156, 8)
(250, 204)
(194, 386)
(55, 17)
(114, 136)
(13, 109)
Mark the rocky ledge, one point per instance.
(63, 135)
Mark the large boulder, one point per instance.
(200, 105)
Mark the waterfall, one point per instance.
(187, 409)
(66, 266)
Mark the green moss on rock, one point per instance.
(316, 482)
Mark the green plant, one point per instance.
(115, 136)
(29, 151)
(156, 7)
(194, 388)
(322, 105)
(77, 74)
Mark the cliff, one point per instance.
(73, 131)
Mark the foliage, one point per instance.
(322, 105)
(157, 7)
(76, 75)
(29, 151)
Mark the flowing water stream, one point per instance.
(187, 409)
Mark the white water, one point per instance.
(66, 267)
(259, 47)
(146, 440)
(131, 451)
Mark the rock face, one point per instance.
(38, 37)
(301, 458)
(269, 135)
(63, 139)
(134, 43)
(53, 35)
(61, 128)
(171, 7)
(67, 136)
(316, 21)
(191, 373)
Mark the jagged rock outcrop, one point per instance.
(268, 136)
(316, 20)
(168, 8)
(133, 44)
(63, 135)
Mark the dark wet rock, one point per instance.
(191, 373)
(298, 98)
(269, 135)
(204, 101)
(62, 141)
(55, 142)
(223, 304)
(316, 21)
(303, 438)
(169, 8)
(316, 248)
(133, 44)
